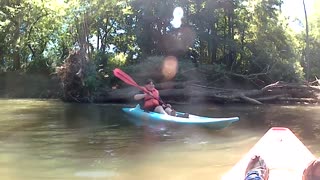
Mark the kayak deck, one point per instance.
(285, 155)
(218, 123)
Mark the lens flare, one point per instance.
(178, 13)
(176, 23)
(177, 16)
(169, 67)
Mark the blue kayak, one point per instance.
(141, 116)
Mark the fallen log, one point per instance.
(250, 100)
(279, 92)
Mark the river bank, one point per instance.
(21, 85)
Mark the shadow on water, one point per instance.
(88, 115)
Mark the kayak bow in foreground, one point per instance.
(285, 156)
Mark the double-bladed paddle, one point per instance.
(127, 79)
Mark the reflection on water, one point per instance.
(53, 140)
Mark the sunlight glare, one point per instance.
(60, 1)
(177, 16)
(176, 23)
(293, 9)
(178, 13)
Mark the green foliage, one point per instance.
(313, 56)
(27, 30)
(287, 72)
(115, 61)
(92, 81)
(40, 65)
(231, 36)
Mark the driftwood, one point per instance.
(279, 92)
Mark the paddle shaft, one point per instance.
(127, 79)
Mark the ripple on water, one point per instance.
(96, 174)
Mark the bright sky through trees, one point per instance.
(294, 10)
(177, 16)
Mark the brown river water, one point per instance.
(49, 139)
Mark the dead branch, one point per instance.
(279, 92)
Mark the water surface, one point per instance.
(53, 140)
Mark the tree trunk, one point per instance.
(16, 61)
(307, 42)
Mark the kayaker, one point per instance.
(152, 101)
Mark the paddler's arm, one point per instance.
(139, 96)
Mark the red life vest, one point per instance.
(151, 102)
